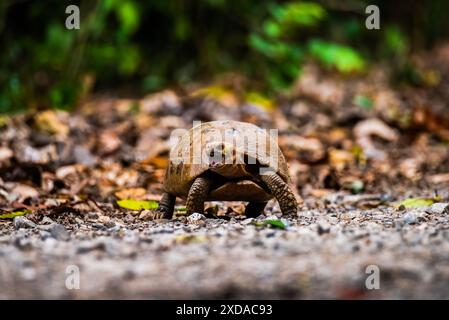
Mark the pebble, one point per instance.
(58, 232)
(196, 218)
(106, 221)
(410, 218)
(45, 234)
(323, 227)
(47, 220)
(93, 215)
(98, 226)
(22, 222)
(438, 208)
(115, 228)
(247, 221)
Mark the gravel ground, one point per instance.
(323, 253)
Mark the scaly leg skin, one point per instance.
(197, 195)
(254, 209)
(282, 193)
(166, 207)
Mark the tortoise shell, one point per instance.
(241, 148)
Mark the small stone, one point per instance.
(58, 232)
(196, 218)
(47, 220)
(438, 208)
(104, 219)
(323, 227)
(115, 228)
(107, 221)
(410, 218)
(93, 215)
(22, 222)
(129, 218)
(99, 226)
(79, 221)
(45, 234)
(247, 221)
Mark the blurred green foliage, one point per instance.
(141, 46)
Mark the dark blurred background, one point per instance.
(134, 47)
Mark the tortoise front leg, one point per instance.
(254, 209)
(197, 195)
(166, 207)
(282, 192)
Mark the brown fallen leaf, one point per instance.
(438, 178)
(324, 91)
(411, 168)
(53, 122)
(131, 193)
(5, 154)
(156, 102)
(22, 192)
(308, 150)
(150, 144)
(29, 154)
(365, 129)
(108, 142)
(340, 159)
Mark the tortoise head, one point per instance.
(223, 158)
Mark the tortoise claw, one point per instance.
(155, 215)
(160, 215)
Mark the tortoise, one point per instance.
(226, 160)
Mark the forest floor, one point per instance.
(370, 161)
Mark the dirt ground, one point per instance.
(322, 254)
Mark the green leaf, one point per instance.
(414, 203)
(11, 215)
(138, 204)
(299, 13)
(259, 99)
(395, 40)
(275, 223)
(363, 101)
(129, 16)
(343, 58)
(272, 29)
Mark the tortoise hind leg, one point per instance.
(197, 195)
(166, 207)
(282, 192)
(254, 209)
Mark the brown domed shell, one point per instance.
(186, 157)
